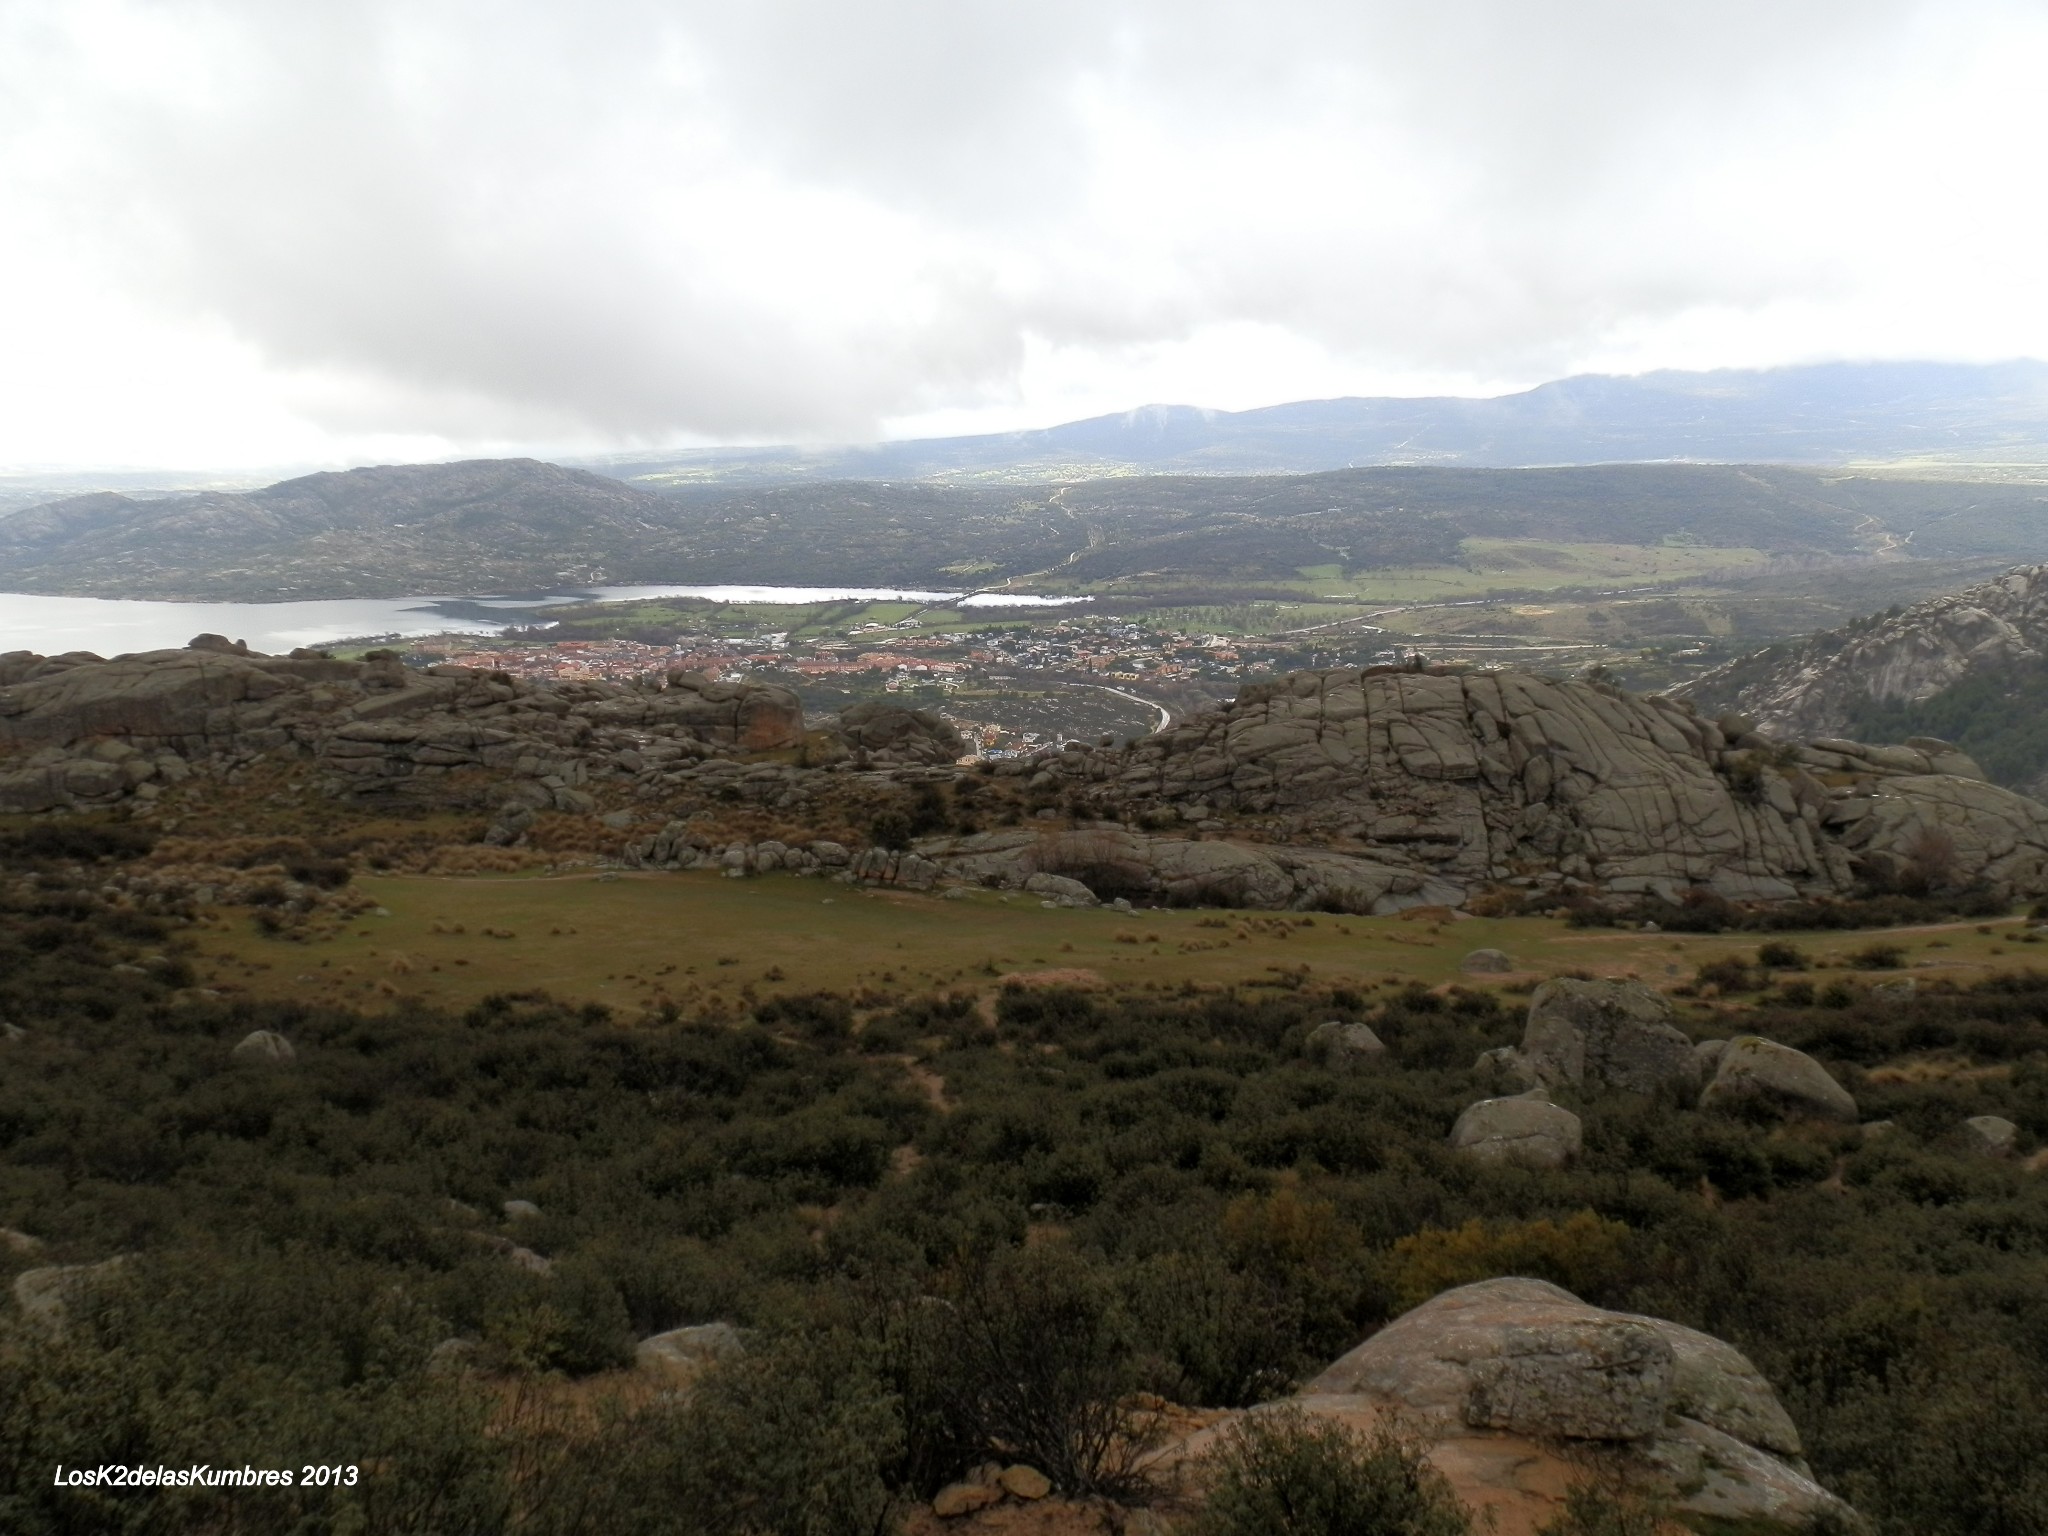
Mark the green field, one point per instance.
(639, 939)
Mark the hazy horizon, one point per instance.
(263, 473)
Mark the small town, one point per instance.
(968, 676)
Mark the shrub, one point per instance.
(1220, 1337)
(1605, 1506)
(1031, 1359)
(1777, 955)
(1286, 1474)
(791, 1438)
(75, 841)
(1583, 1253)
(1879, 957)
(890, 829)
(1728, 974)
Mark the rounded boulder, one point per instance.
(265, 1047)
(1530, 1131)
(1755, 1070)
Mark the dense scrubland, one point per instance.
(1024, 1218)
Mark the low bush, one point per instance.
(1284, 1473)
(1731, 973)
(1597, 1505)
(1583, 1253)
(1031, 1357)
(1777, 955)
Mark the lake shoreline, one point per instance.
(110, 626)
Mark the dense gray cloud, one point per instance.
(635, 221)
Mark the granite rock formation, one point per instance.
(1366, 792)
(1806, 689)
(88, 732)
(1459, 780)
(1615, 1034)
(884, 735)
(1687, 1413)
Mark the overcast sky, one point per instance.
(296, 231)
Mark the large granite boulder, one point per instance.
(1991, 1136)
(1527, 1129)
(264, 1047)
(1686, 1414)
(1515, 1354)
(1344, 1047)
(1606, 1034)
(1754, 1071)
(882, 734)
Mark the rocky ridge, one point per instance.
(1352, 791)
(1454, 781)
(82, 732)
(1807, 689)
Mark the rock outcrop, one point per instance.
(1459, 780)
(1364, 792)
(685, 1353)
(264, 1047)
(1807, 689)
(87, 732)
(47, 1296)
(1687, 1414)
(885, 735)
(1606, 1034)
(1991, 1136)
(1114, 860)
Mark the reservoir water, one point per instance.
(110, 626)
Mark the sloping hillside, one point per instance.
(1969, 667)
(1831, 413)
(389, 530)
(522, 525)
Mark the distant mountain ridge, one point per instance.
(1828, 413)
(520, 525)
(388, 530)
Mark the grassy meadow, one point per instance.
(639, 940)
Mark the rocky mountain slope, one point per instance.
(1343, 790)
(1964, 666)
